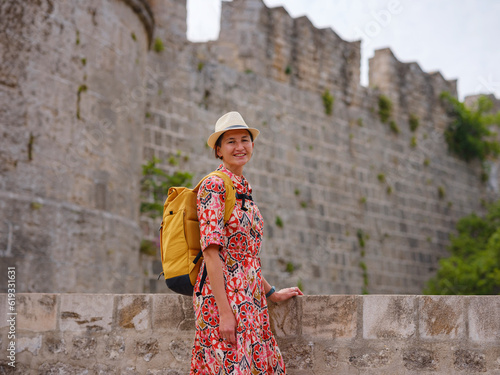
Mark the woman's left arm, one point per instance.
(282, 294)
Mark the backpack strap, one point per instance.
(230, 193)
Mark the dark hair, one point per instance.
(218, 143)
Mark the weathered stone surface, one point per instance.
(37, 312)
(133, 311)
(55, 344)
(61, 368)
(441, 316)
(172, 312)
(298, 354)
(287, 315)
(334, 317)
(484, 322)
(370, 358)
(84, 347)
(181, 350)
(146, 349)
(114, 346)
(420, 359)
(85, 312)
(384, 347)
(31, 344)
(469, 360)
(388, 317)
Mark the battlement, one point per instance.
(407, 85)
(320, 335)
(270, 43)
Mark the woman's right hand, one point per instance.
(227, 327)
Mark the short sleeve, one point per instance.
(210, 206)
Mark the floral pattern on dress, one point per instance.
(240, 239)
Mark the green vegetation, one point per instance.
(361, 238)
(82, 88)
(201, 65)
(381, 177)
(279, 222)
(394, 127)
(384, 108)
(300, 285)
(427, 162)
(288, 70)
(473, 266)
(31, 141)
(290, 267)
(413, 142)
(441, 192)
(158, 45)
(468, 135)
(132, 35)
(155, 184)
(36, 205)
(414, 122)
(148, 247)
(328, 101)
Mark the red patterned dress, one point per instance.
(256, 351)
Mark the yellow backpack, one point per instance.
(180, 234)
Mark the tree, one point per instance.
(474, 264)
(155, 184)
(468, 135)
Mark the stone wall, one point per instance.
(71, 78)
(349, 204)
(320, 335)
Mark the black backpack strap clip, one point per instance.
(243, 197)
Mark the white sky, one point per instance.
(459, 38)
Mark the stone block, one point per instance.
(133, 311)
(469, 360)
(441, 317)
(30, 344)
(86, 312)
(285, 317)
(388, 317)
(146, 348)
(36, 312)
(172, 312)
(297, 354)
(484, 321)
(330, 316)
(419, 359)
(371, 357)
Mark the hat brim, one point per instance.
(214, 136)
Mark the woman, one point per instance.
(233, 334)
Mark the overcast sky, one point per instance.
(459, 38)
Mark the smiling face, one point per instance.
(235, 150)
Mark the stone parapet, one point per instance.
(320, 335)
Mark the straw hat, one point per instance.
(230, 121)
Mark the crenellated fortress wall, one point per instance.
(86, 98)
